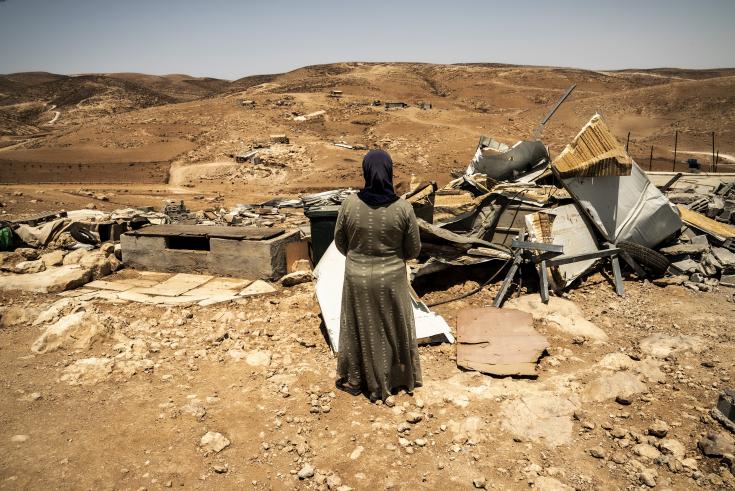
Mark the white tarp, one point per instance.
(329, 277)
(626, 207)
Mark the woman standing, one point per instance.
(378, 233)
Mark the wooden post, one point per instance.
(676, 140)
(626, 142)
(650, 159)
(713, 152)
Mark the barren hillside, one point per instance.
(100, 121)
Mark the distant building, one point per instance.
(248, 103)
(395, 105)
(335, 93)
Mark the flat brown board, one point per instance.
(215, 231)
(295, 251)
(498, 341)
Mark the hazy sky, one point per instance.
(231, 39)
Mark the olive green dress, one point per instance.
(377, 339)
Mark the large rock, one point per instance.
(542, 417)
(52, 280)
(53, 312)
(661, 345)
(97, 263)
(88, 371)
(613, 385)
(617, 362)
(559, 313)
(258, 358)
(716, 445)
(75, 256)
(296, 278)
(8, 260)
(54, 258)
(79, 331)
(28, 267)
(214, 442)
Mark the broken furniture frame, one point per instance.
(552, 255)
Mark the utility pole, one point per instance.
(676, 140)
(650, 159)
(714, 164)
(626, 142)
(717, 160)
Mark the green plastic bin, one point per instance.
(323, 219)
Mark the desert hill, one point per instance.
(194, 124)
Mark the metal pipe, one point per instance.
(540, 128)
(676, 140)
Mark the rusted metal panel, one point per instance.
(498, 341)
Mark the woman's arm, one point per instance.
(411, 236)
(340, 234)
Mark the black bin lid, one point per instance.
(322, 211)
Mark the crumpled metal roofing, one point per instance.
(594, 152)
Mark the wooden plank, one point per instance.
(220, 232)
(176, 285)
(706, 224)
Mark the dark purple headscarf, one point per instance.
(377, 169)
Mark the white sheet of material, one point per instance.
(329, 277)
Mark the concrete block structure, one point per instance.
(242, 252)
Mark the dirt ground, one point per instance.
(135, 428)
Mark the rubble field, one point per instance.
(124, 400)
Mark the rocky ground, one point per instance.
(109, 395)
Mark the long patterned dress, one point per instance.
(377, 340)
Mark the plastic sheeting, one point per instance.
(329, 277)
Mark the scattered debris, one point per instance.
(251, 156)
(724, 412)
(308, 117)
